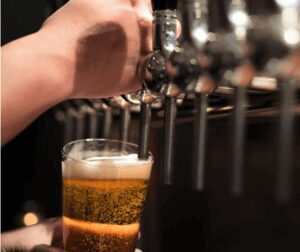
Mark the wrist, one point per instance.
(33, 80)
(54, 69)
(33, 61)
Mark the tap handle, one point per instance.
(164, 4)
(164, 31)
(153, 68)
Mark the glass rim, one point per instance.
(149, 159)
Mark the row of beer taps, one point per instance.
(203, 49)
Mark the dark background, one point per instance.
(29, 169)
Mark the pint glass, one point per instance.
(104, 190)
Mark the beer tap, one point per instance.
(209, 53)
(274, 36)
(144, 100)
(81, 109)
(123, 106)
(145, 124)
(184, 69)
(238, 19)
(93, 122)
(164, 29)
(290, 20)
(155, 81)
(69, 127)
(169, 134)
(219, 59)
(105, 113)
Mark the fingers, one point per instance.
(143, 11)
(57, 233)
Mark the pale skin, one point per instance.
(87, 49)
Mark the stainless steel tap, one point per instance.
(182, 66)
(153, 71)
(93, 121)
(184, 69)
(165, 27)
(123, 106)
(153, 68)
(105, 114)
(274, 38)
(238, 76)
(220, 58)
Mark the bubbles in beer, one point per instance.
(103, 214)
(104, 201)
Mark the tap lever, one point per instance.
(199, 147)
(238, 140)
(169, 137)
(107, 122)
(153, 71)
(123, 106)
(164, 31)
(284, 171)
(144, 133)
(125, 123)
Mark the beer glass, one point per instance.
(104, 191)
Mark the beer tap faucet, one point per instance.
(185, 70)
(143, 99)
(290, 23)
(288, 83)
(123, 106)
(204, 86)
(238, 19)
(82, 111)
(93, 121)
(219, 56)
(152, 70)
(210, 54)
(164, 44)
(106, 114)
(271, 46)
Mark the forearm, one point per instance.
(32, 81)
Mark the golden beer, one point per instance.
(102, 215)
(104, 191)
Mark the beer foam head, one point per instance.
(107, 167)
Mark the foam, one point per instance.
(120, 167)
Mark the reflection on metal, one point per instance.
(125, 123)
(106, 122)
(199, 149)
(169, 138)
(144, 130)
(238, 141)
(121, 104)
(284, 172)
(264, 83)
(93, 124)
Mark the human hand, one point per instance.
(44, 236)
(98, 45)
(87, 49)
